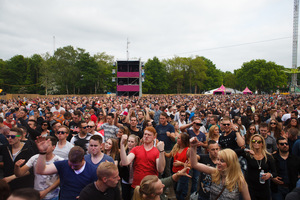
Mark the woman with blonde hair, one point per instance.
(214, 133)
(227, 178)
(260, 168)
(152, 187)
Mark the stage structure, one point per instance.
(130, 75)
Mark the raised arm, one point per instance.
(193, 158)
(41, 167)
(161, 161)
(184, 127)
(125, 160)
(239, 139)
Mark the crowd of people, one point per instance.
(201, 147)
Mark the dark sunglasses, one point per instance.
(61, 132)
(256, 141)
(283, 143)
(45, 124)
(90, 126)
(85, 127)
(12, 136)
(199, 124)
(182, 115)
(226, 124)
(273, 123)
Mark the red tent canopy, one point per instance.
(247, 91)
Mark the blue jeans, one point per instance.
(182, 187)
(195, 180)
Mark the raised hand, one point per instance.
(124, 139)
(193, 142)
(42, 143)
(160, 146)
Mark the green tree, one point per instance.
(260, 75)
(103, 83)
(156, 80)
(214, 76)
(229, 80)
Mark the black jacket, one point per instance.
(293, 165)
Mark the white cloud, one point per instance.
(161, 28)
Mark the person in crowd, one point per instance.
(105, 187)
(63, 146)
(288, 169)
(292, 136)
(11, 153)
(209, 159)
(165, 133)
(250, 132)
(126, 172)
(256, 120)
(83, 137)
(101, 120)
(75, 173)
(275, 129)
(74, 124)
(9, 120)
(241, 128)
(179, 154)
(46, 185)
(110, 130)
(213, 133)
(154, 188)
(193, 130)
(227, 178)
(95, 156)
(111, 148)
(87, 117)
(92, 127)
(230, 138)
(148, 160)
(260, 168)
(24, 194)
(270, 141)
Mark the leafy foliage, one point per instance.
(75, 71)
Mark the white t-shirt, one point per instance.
(63, 152)
(42, 182)
(53, 109)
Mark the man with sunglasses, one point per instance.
(193, 129)
(63, 146)
(230, 137)
(83, 137)
(13, 152)
(288, 168)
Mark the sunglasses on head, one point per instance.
(12, 136)
(61, 132)
(226, 124)
(256, 141)
(283, 143)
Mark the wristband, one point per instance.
(42, 153)
(161, 151)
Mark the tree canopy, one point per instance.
(74, 71)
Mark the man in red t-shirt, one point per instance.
(148, 160)
(10, 122)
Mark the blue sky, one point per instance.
(227, 32)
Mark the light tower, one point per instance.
(295, 42)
